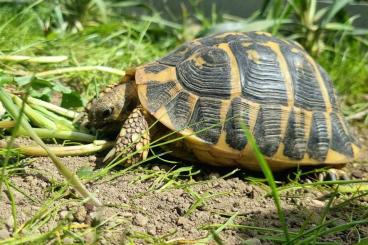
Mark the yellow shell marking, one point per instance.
(253, 55)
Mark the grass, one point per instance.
(69, 52)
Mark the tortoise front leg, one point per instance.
(132, 140)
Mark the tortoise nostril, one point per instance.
(107, 112)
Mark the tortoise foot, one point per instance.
(333, 174)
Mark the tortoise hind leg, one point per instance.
(133, 139)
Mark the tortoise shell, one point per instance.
(208, 88)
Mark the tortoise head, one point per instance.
(112, 106)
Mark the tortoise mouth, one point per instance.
(108, 129)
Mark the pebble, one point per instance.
(252, 241)
(183, 222)
(90, 237)
(68, 240)
(9, 222)
(4, 234)
(140, 220)
(92, 158)
(151, 229)
(357, 174)
(80, 215)
(63, 214)
(43, 184)
(214, 175)
(318, 204)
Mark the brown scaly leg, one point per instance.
(133, 138)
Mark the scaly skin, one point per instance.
(133, 139)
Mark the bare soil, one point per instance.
(142, 206)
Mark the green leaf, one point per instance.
(35, 82)
(6, 79)
(61, 88)
(336, 7)
(21, 81)
(84, 172)
(72, 99)
(41, 93)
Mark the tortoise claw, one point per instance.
(333, 175)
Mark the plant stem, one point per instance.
(35, 59)
(76, 150)
(7, 124)
(68, 174)
(33, 115)
(61, 122)
(58, 134)
(79, 69)
(57, 109)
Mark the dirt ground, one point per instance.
(143, 207)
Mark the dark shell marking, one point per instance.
(330, 88)
(237, 115)
(267, 130)
(294, 141)
(307, 92)
(340, 141)
(179, 110)
(180, 54)
(212, 78)
(261, 81)
(155, 68)
(319, 140)
(158, 94)
(205, 120)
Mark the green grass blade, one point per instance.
(270, 179)
(336, 7)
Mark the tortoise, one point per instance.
(207, 89)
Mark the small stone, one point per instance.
(252, 241)
(214, 175)
(68, 240)
(318, 204)
(151, 229)
(80, 215)
(90, 237)
(102, 241)
(63, 214)
(156, 168)
(126, 214)
(234, 209)
(92, 158)
(183, 222)
(4, 234)
(43, 184)
(357, 174)
(140, 220)
(10, 222)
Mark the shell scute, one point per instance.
(207, 73)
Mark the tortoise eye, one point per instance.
(107, 112)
